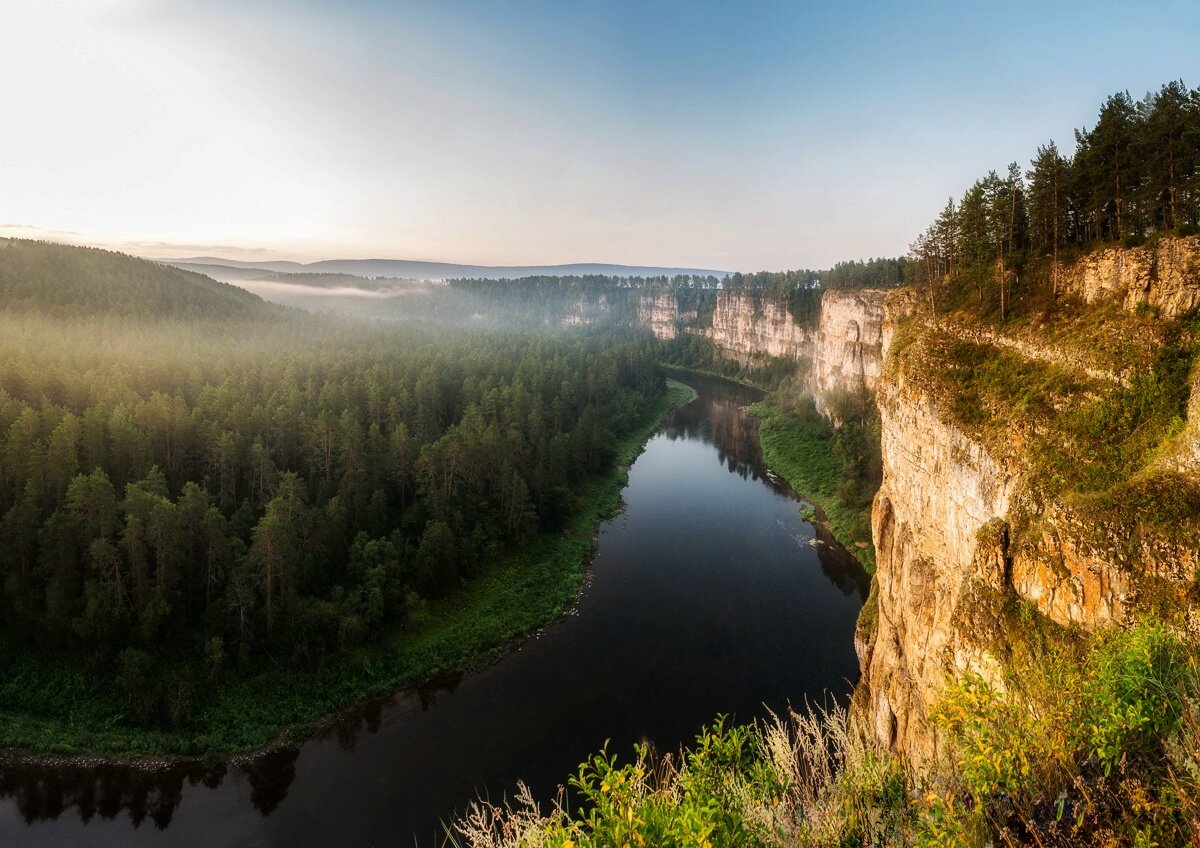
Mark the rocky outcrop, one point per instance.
(962, 521)
(844, 348)
(661, 313)
(939, 489)
(747, 324)
(847, 347)
(1165, 276)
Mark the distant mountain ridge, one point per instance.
(411, 269)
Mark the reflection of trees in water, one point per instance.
(270, 776)
(428, 692)
(45, 791)
(717, 417)
(369, 716)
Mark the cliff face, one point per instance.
(1165, 276)
(939, 489)
(844, 348)
(968, 516)
(847, 348)
(745, 324)
(661, 313)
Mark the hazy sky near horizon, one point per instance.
(729, 135)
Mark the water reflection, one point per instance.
(718, 416)
(707, 599)
(42, 792)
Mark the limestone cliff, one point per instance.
(939, 488)
(992, 492)
(844, 348)
(1165, 276)
(661, 313)
(745, 323)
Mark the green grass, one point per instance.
(1092, 447)
(800, 449)
(67, 705)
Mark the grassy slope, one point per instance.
(63, 707)
(801, 451)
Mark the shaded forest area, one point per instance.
(191, 478)
(1134, 176)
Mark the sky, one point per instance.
(728, 135)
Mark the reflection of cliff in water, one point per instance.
(840, 565)
(718, 416)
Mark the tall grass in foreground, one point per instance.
(803, 779)
(1090, 741)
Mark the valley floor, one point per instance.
(65, 707)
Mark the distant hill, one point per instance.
(407, 269)
(255, 278)
(66, 280)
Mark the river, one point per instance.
(707, 596)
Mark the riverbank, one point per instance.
(801, 450)
(683, 372)
(82, 711)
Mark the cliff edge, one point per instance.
(1050, 464)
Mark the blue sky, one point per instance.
(727, 135)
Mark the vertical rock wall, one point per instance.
(955, 522)
(844, 349)
(746, 324)
(1165, 276)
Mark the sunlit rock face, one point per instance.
(939, 489)
(955, 522)
(746, 324)
(1165, 276)
(847, 348)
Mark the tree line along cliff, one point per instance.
(1133, 176)
(1029, 650)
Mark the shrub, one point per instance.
(1090, 727)
(805, 780)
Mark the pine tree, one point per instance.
(1048, 205)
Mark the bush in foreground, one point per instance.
(1082, 741)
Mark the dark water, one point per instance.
(706, 597)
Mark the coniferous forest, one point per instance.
(191, 478)
(1132, 176)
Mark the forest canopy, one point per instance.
(189, 472)
(56, 279)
